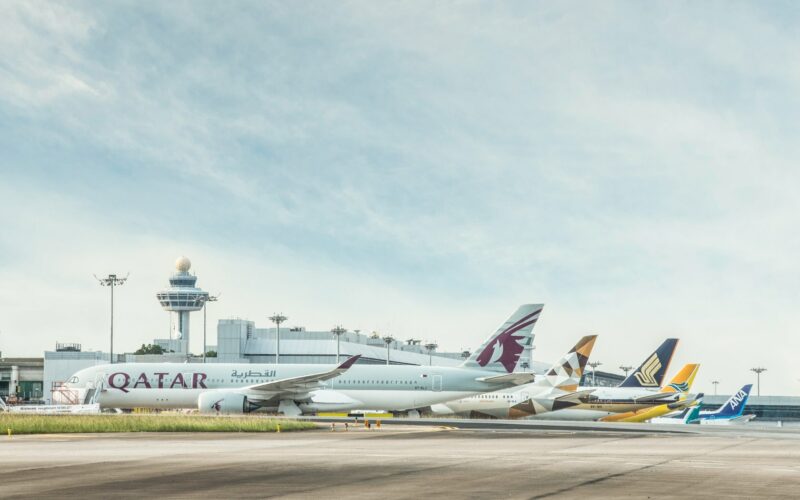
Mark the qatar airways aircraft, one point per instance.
(293, 388)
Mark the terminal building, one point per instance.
(21, 379)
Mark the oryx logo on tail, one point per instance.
(502, 351)
(647, 374)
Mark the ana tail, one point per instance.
(734, 407)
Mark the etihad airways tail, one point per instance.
(566, 373)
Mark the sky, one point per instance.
(413, 168)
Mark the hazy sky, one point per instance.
(416, 168)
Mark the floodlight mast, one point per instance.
(338, 331)
(388, 339)
(431, 346)
(278, 319)
(594, 366)
(205, 299)
(758, 371)
(111, 281)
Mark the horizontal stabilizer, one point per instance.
(517, 378)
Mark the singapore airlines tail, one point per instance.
(650, 373)
(502, 350)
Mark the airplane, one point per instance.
(648, 414)
(585, 403)
(732, 412)
(562, 378)
(674, 396)
(293, 389)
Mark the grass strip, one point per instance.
(58, 424)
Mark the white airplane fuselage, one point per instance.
(175, 386)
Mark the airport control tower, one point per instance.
(181, 298)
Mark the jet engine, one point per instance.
(216, 402)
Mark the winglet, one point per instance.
(348, 362)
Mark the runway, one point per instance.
(403, 462)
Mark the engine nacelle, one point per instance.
(216, 402)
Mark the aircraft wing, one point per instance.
(656, 397)
(516, 378)
(576, 397)
(303, 382)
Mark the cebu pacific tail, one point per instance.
(650, 373)
(501, 351)
(683, 380)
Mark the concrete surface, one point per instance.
(402, 462)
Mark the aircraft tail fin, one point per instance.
(502, 350)
(734, 406)
(651, 372)
(683, 380)
(566, 373)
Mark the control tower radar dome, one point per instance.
(183, 264)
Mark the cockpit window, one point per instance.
(73, 380)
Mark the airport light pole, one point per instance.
(278, 319)
(758, 371)
(338, 331)
(206, 299)
(594, 366)
(111, 281)
(626, 369)
(716, 383)
(388, 339)
(431, 346)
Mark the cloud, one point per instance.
(631, 166)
